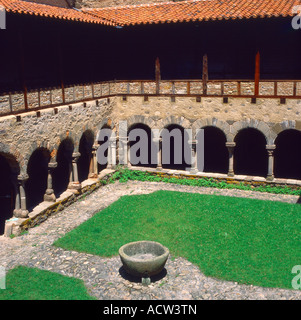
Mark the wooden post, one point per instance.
(257, 73)
(60, 58)
(22, 69)
(157, 75)
(205, 74)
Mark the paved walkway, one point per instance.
(105, 277)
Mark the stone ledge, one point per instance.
(15, 226)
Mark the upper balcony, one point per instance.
(35, 100)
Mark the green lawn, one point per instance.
(246, 240)
(24, 283)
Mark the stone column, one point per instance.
(93, 174)
(112, 148)
(74, 184)
(122, 150)
(270, 149)
(128, 154)
(230, 146)
(49, 195)
(194, 164)
(20, 207)
(158, 141)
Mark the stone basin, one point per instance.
(143, 258)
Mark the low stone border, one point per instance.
(15, 226)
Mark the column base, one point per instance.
(270, 178)
(49, 196)
(194, 170)
(230, 174)
(159, 168)
(20, 213)
(74, 186)
(93, 176)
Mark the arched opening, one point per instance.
(8, 172)
(85, 150)
(104, 164)
(216, 155)
(176, 152)
(61, 174)
(250, 154)
(37, 170)
(287, 155)
(142, 148)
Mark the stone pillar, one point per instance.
(49, 195)
(194, 164)
(128, 154)
(93, 174)
(230, 146)
(122, 150)
(112, 148)
(158, 142)
(270, 149)
(74, 184)
(20, 207)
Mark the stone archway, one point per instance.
(61, 174)
(250, 154)
(9, 170)
(287, 154)
(85, 149)
(37, 170)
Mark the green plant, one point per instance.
(239, 239)
(124, 175)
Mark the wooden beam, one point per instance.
(205, 74)
(157, 75)
(22, 69)
(60, 64)
(257, 73)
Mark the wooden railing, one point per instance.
(18, 102)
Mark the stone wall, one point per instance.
(20, 135)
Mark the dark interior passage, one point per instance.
(85, 150)
(7, 192)
(179, 146)
(103, 163)
(287, 155)
(37, 171)
(61, 174)
(250, 155)
(216, 156)
(142, 147)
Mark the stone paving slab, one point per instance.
(105, 277)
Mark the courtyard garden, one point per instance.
(244, 240)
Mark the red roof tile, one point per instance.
(32, 8)
(195, 10)
(166, 12)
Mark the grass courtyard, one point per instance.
(245, 240)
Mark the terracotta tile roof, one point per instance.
(195, 10)
(32, 8)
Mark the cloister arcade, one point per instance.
(240, 149)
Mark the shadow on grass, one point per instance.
(131, 278)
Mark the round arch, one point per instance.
(9, 170)
(250, 154)
(287, 160)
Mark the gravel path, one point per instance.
(105, 277)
